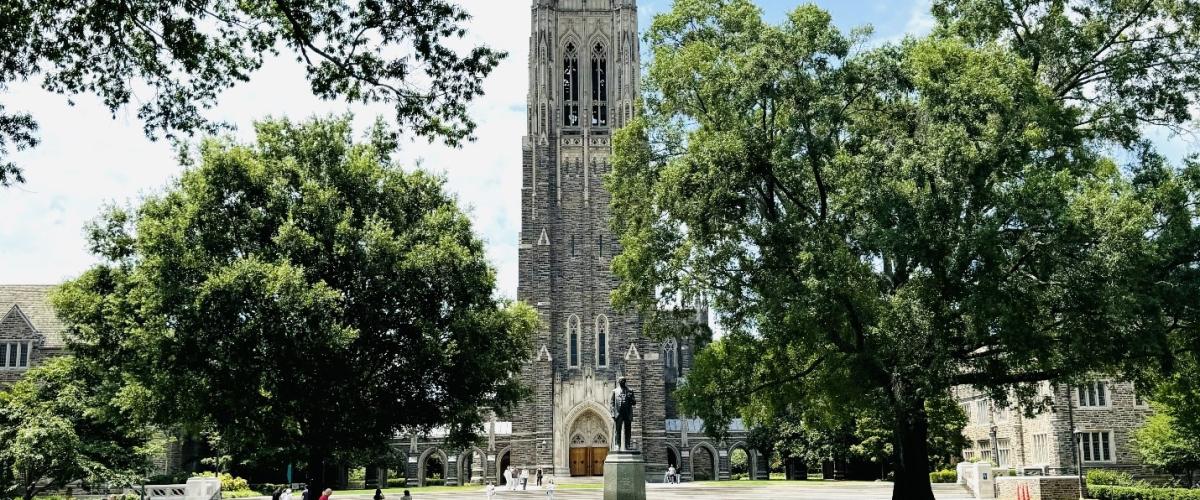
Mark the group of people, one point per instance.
(518, 479)
(671, 476)
(286, 494)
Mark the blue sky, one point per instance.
(89, 157)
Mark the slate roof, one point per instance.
(34, 301)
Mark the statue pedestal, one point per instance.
(624, 476)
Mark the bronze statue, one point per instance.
(621, 407)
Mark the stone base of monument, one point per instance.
(624, 476)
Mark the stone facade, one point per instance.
(583, 82)
(1107, 416)
(1043, 488)
(29, 330)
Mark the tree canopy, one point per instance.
(302, 296)
(57, 427)
(878, 225)
(175, 59)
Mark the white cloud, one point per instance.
(88, 159)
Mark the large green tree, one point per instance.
(302, 296)
(174, 59)
(58, 426)
(880, 225)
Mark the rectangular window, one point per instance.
(966, 408)
(1093, 395)
(1138, 400)
(985, 450)
(1041, 449)
(1096, 446)
(981, 410)
(1002, 452)
(14, 355)
(1002, 414)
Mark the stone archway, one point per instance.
(472, 467)
(751, 461)
(704, 464)
(589, 445)
(566, 428)
(424, 466)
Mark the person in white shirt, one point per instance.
(491, 491)
(524, 478)
(550, 489)
(508, 479)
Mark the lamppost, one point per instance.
(1075, 439)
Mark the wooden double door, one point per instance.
(588, 461)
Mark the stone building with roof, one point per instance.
(29, 330)
(1102, 414)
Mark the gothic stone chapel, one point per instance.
(583, 80)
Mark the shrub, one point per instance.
(1105, 492)
(241, 494)
(435, 482)
(737, 477)
(944, 476)
(228, 482)
(1106, 477)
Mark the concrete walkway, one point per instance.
(783, 490)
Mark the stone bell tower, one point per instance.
(583, 80)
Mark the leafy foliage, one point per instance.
(228, 481)
(944, 476)
(1109, 477)
(301, 296)
(1166, 445)
(174, 60)
(1142, 493)
(56, 427)
(878, 226)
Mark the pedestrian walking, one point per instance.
(378, 494)
(287, 494)
(508, 479)
(539, 478)
(491, 491)
(524, 478)
(550, 486)
(304, 494)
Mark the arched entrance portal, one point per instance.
(589, 445)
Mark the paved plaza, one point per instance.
(775, 491)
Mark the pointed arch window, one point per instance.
(599, 86)
(570, 95)
(602, 340)
(573, 341)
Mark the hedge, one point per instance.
(1102, 492)
(944, 476)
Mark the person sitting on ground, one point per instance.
(378, 494)
(406, 496)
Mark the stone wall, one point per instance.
(1039, 488)
(1051, 428)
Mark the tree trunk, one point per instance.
(912, 454)
(314, 475)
